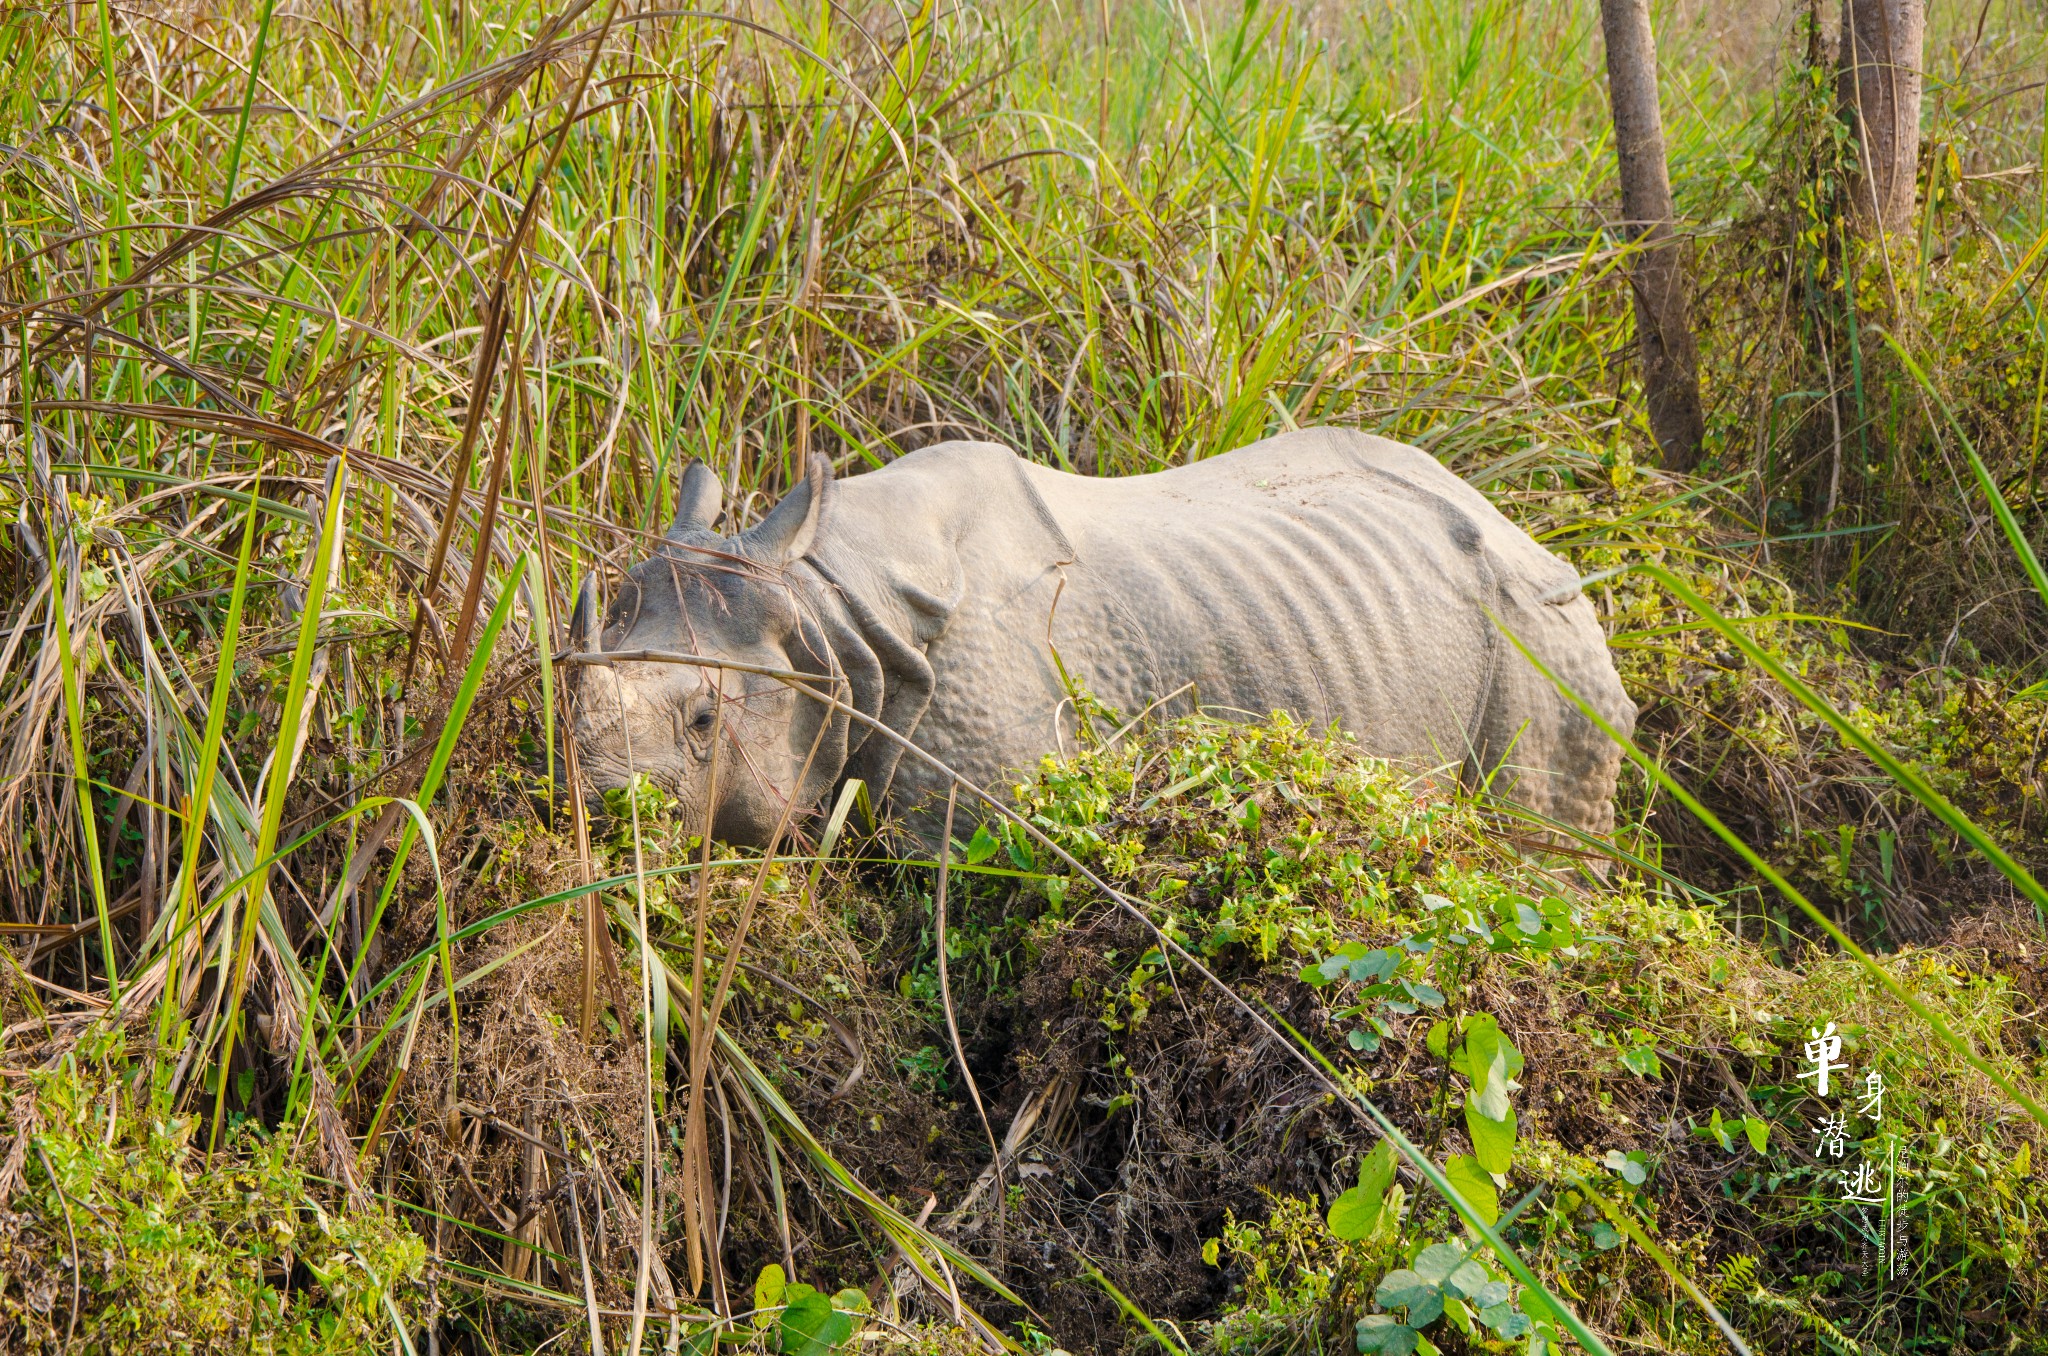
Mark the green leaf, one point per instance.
(1605, 1236)
(1493, 1137)
(1380, 1333)
(981, 847)
(1439, 1039)
(1356, 1213)
(768, 1286)
(1404, 1289)
(1488, 1295)
(1491, 1101)
(1506, 1320)
(1490, 1062)
(1642, 1059)
(1436, 1262)
(1373, 967)
(1634, 1166)
(1468, 1279)
(1759, 1133)
(1475, 1185)
(1376, 1169)
(810, 1326)
(1021, 853)
(1537, 1306)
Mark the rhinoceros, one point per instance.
(961, 596)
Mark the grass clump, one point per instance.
(1655, 1059)
(124, 1235)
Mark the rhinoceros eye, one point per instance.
(701, 722)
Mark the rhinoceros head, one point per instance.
(721, 597)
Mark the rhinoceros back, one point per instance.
(1338, 577)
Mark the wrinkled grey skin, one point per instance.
(1333, 575)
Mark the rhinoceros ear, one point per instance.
(585, 632)
(790, 527)
(698, 502)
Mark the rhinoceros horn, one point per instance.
(698, 502)
(790, 527)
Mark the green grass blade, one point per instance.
(199, 795)
(326, 562)
(1901, 772)
(81, 771)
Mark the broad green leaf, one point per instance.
(1642, 1059)
(1404, 1289)
(1356, 1213)
(1475, 1185)
(1490, 1294)
(1759, 1133)
(1436, 1262)
(981, 847)
(1380, 1333)
(1634, 1166)
(810, 1326)
(1506, 1320)
(1493, 1137)
(1492, 1104)
(1376, 1170)
(1439, 1039)
(1467, 1280)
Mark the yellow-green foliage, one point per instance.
(1266, 845)
(249, 1253)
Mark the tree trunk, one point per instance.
(1671, 384)
(1879, 85)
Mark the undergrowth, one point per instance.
(1655, 1057)
(124, 1235)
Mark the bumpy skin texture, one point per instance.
(1333, 575)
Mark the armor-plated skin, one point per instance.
(1333, 575)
